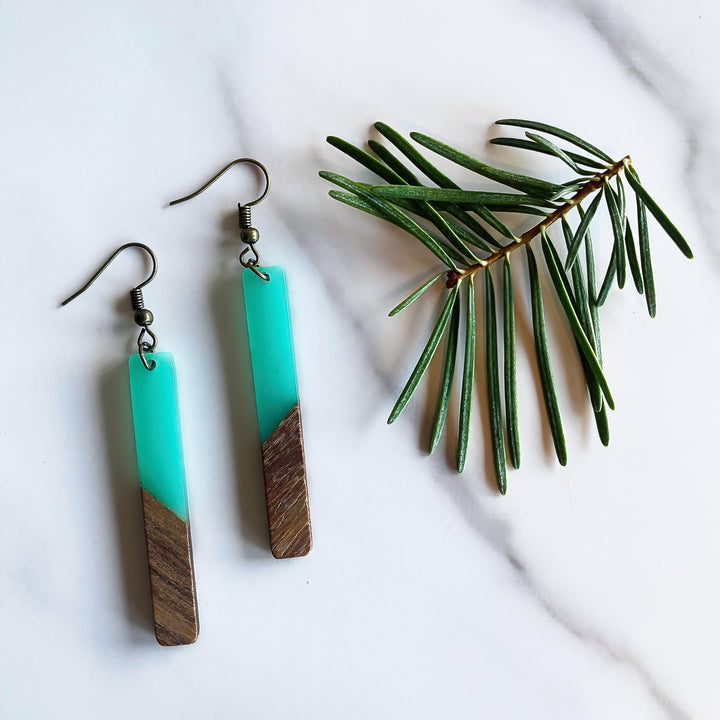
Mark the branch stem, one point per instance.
(595, 183)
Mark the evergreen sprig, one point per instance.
(463, 231)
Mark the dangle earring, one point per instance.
(276, 394)
(161, 469)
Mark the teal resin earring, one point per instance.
(276, 395)
(161, 471)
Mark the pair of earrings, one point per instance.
(158, 441)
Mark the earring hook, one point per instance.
(248, 234)
(109, 260)
(257, 164)
(142, 316)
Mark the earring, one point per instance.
(276, 394)
(161, 469)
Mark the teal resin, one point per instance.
(271, 347)
(157, 431)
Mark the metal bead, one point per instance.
(143, 317)
(249, 235)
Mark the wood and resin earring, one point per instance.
(276, 394)
(161, 470)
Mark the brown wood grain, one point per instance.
(286, 488)
(172, 575)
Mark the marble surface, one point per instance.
(588, 592)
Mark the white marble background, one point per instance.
(587, 593)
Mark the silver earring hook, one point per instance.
(142, 316)
(249, 257)
(257, 164)
(105, 266)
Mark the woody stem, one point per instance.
(596, 183)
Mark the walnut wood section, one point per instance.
(172, 576)
(286, 488)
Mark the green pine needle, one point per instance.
(425, 358)
(561, 284)
(658, 214)
(579, 296)
(393, 163)
(365, 159)
(536, 147)
(410, 299)
(617, 227)
(608, 280)
(523, 183)
(581, 231)
(557, 132)
(448, 373)
(633, 258)
(645, 259)
(468, 376)
(542, 354)
(591, 290)
(462, 197)
(558, 152)
(511, 411)
(497, 437)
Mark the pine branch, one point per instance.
(472, 238)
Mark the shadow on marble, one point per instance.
(228, 310)
(116, 414)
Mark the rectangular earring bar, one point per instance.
(278, 411)
(164, 497)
